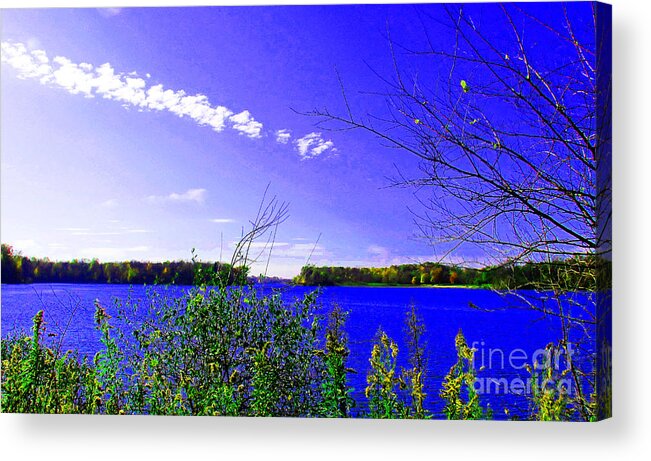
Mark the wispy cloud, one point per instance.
(110, 233)
(313, 145)
(73, 229)
(285, 250)
(191, 195)
(95, 234)
(283, 136)
(300, 251)
(128, 89)
(87, 232)
(132, 90)
(260, 245)
(222, 220)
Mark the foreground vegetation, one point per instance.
(228, 350)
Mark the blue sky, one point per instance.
(143, 133)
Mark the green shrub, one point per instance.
(383, 382)
(225, 350)
(414, 377)
(38, 379)
(461, 398)
(551, 399)
(337, 400)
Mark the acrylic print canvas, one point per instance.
(353, 211)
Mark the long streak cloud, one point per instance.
(131, 90)
(128, 89)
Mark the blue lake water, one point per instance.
(501, 327)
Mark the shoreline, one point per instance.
(469, 287)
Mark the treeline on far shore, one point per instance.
(17, 268)
(584, 273)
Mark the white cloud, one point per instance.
(300, 251)
(245, 124)
(133, 91)
(110, 231)
(29, 65)
(191, 195)
(94, 234)
(75, 78)
(222, 220)
(261, 245)
(74, 229)
(283, 136)
(286, 250)
(313, 145)
(126, 88)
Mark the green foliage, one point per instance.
(461, 398)
(222, 351)
(21, 269)
(37, 379)
(404, 274)
(383, 381)
(464, 86)
(337, 399)
(414, 377)
(108, 363)
(587, 272)
(226, 350)
(551, 399)
(265, 397)
(235, 351)
(9, 264)
(578, 273)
